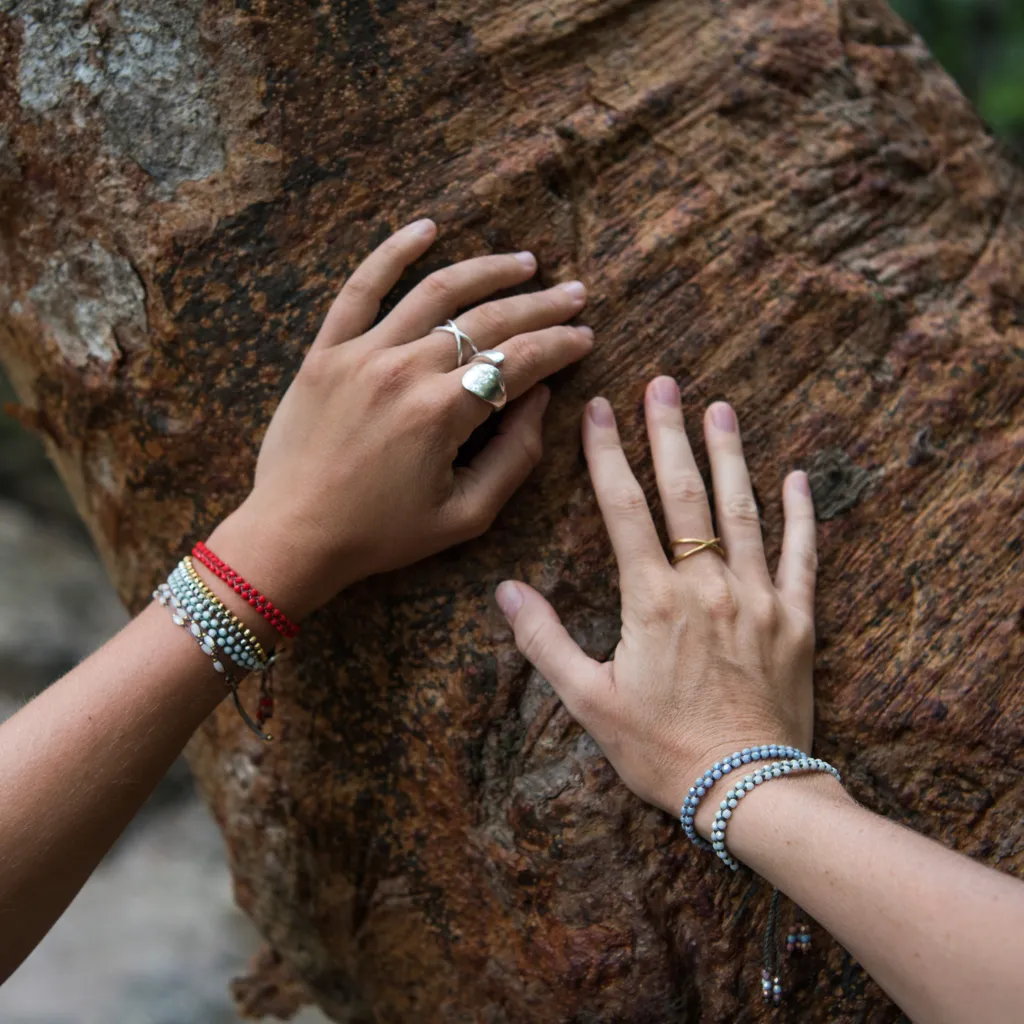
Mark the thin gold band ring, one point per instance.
(714, 544)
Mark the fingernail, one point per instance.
(665, 390)
(423, 227)
(802, 483)
(601, 412)
(527, 259)
(723, 417)
(587, 332)
(510, 599)
(576, 289)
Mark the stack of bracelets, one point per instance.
(768, 762)
(221, 635)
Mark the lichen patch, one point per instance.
(89, 299)
(145, 71)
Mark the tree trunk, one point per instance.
(786, 203)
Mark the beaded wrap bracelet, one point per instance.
(246, 590)
(763, 774)
(218, 632)
(793, 760)
(223, 628)
(718, 771)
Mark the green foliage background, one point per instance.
(981, 44)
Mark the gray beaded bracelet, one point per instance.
(794, 760)
(763, 774)
(719, 770)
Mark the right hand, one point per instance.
(714, 655)
(355, 475)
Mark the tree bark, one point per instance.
(785, 203)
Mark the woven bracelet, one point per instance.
(246, 591)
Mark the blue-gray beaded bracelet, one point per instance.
(718, 771)
(212, 623)
(185, 608)
(763, 774)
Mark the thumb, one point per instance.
(543, 639)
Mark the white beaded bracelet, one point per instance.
(217, 632)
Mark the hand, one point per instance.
(355, 474)
(714, 657)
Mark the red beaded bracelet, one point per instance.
(240, 586)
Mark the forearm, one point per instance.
(80, 759)
(940, 933)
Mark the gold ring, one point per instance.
(714, 544)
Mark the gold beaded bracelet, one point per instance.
(235, 620)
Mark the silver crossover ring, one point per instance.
(460, 336)
(484, 378)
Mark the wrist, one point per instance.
(776, 816)
(708, 807)
(271, 560)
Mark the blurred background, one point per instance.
(981, 44)
(154, 937)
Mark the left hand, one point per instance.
(715, 656)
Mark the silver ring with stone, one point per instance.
(460, 336)
(484, 378)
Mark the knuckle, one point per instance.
(528, 354)
(358, 288)
(804, 633)
(532, 446)
(718, 599)
(439, 288)
(390, 375)
(393, 248)
(490, 321)
(316, 366)
(686, 489)
(549, 305)
(661, 601)
(567, 337)
(531, 640)
(742, 508)
(477, 519)
(766, 611)
(427, 408)
(807, 556)
(626, 501)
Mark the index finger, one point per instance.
(358, 303)
(621, 499)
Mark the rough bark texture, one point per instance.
(786, 203)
